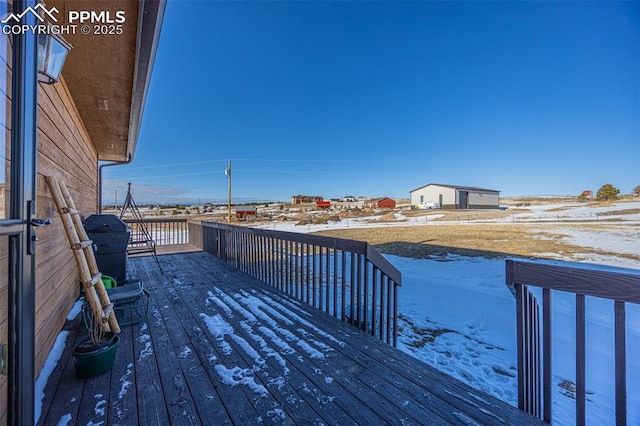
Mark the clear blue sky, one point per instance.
(379, 98)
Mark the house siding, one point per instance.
(304, 199)
(431, 194)
(380, 203)
(65, 150)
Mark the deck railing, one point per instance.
(345, 278)
(164, 232)
(620, 285)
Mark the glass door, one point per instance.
(5, 204)
(18, 106)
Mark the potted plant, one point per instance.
(95, 354)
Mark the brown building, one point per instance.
(92, 114)
(304, 199)
(380, 203)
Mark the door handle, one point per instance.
(31, 232)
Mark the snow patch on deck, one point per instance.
(264, 331)
(240, 376)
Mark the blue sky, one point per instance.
(379, 98)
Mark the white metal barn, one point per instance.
(454, 197)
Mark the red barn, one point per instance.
(380, 203)
(243, 213)
(323, 204)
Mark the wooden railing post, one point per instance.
(528, 344)
(619, 285)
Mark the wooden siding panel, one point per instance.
(66, 151)
(57, 105)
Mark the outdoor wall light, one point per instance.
(52, 52)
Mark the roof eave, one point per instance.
(456, 187)
(150, 16)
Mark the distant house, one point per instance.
(244, 213)
(454, 197)
(323, 204)
(587, 193)
(380, 203)
(304, 199)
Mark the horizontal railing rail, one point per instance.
(534, 331)
(346, 278)
(164, 232)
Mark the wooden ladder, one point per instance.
(82, 248)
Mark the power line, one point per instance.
(264, 160)
(174, 175)
(288, 160)
(175, 164)
(315, 172)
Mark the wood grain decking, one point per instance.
(219, 347)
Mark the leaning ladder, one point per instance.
(82, 248)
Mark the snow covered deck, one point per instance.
(220, 347)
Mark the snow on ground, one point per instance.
(581, 211)
(445, 322)
(458, 315)
(625, 239)
(349, 223)
(621, 212)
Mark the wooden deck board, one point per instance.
(303, 415)
(219, 347)
(298, 376)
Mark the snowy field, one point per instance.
(457, 314)
(623, 213)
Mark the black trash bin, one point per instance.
(110, 237)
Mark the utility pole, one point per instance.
(116, 206)
(228, 173)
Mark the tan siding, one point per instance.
(64, 150)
